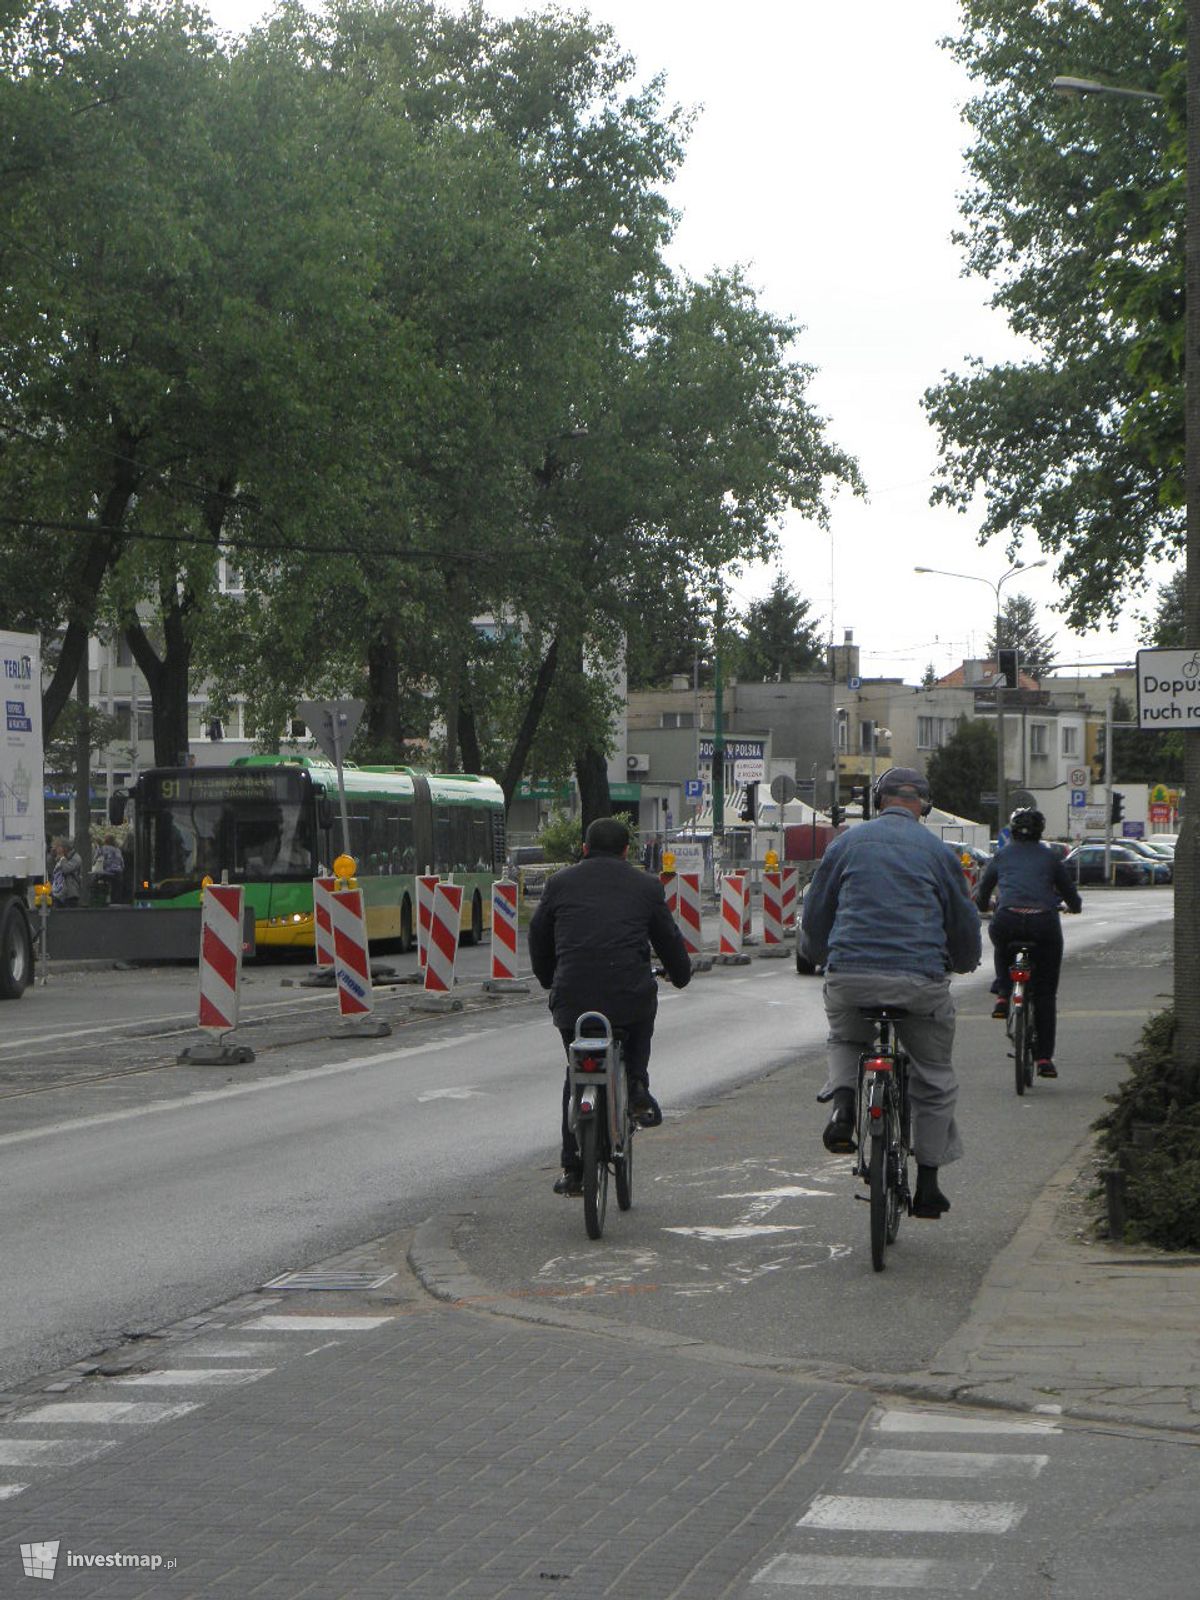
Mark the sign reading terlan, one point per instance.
(1168, 689)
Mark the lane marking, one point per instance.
(871, 1572)
(206, 1097)
(932, 1422)
(299, 1324)
(467, 1092)
(199, 1377)
(863, 1513)
(234, 1352)
(872, 1462)
(7, 1490)
(740, 1230)
(132, 1412)
(51, 1452)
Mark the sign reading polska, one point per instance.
(735, 750)
(1168, 689)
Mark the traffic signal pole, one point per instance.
(1108, 789)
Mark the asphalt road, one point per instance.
(131, 1200)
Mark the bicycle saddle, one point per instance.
(883, 1013)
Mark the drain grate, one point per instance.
(333, 1279)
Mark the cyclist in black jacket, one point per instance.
(1030, 881)
(589, 944)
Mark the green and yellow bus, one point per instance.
(272, 823)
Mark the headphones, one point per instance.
(906, 788)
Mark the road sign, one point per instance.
(1079, 778)
(332, 723)
(693, 788)
(783, 789)
(1078, 799)
(1168, 689)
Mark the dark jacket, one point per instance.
(1027, 873)
(889, 897)
(590, 941)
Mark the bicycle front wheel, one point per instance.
(623, 1168)
(879, 1199)
(595, 1176)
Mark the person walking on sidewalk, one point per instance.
(1029, 882)
(589, 944)
(889, 917)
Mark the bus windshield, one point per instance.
(186, 836)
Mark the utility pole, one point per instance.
(718, 757)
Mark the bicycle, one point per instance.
(599, 1116)
(1020, 1023)
(883, 1118)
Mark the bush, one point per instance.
(562, 837)
(1153, 1131)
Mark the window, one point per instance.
(932, 732)
(1070, 740)
(1037, 738)
(678, 719)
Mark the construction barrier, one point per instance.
(687, 910)
(504, 930)
(426, 884)
(747, 936)
(773, 923)
(791, 888)
(670, 883)
(220, 977)
(323, 920)
(220, 957)
(733, 910)
(352, 966)
(444, 926)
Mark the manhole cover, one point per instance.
(345, 1281)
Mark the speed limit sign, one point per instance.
(1079, 777)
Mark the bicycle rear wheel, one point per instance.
(595, 1175)
(879, 1199)
(623, 1168)
(1020, 1039)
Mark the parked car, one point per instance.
(1059, 847)
(1086, 864)
(1149, 853)
(1162, 847)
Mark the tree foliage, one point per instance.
(964, 769)
(1074, 214)
(1019, 631)
(777, 640)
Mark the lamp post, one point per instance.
(995, 587)
(1187, 862)
(876, 730)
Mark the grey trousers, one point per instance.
(927, 1033)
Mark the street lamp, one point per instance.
(995, 587)
(876, 733)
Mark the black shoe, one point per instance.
(1047, 1069)
(838, 1137)
(1000, 1010)
(929, 1201)
(569, 1181)
(643, 1107)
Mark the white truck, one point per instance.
(22, 808)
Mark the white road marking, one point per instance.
(317, 1348)
(866, 1514)
(299, 1324)
(287, 1080)
(875, 1463)
(7, 1490)
(189, 1377)
(216, 1350)
(870, 1572)
(785, 1191)
(740, 1230)
(144, 1412)
(935, 1422)
(465, 1093)
(51, 1452)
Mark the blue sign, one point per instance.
(1003, 837)
(1078, 799)
(693, 789)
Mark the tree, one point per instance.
(1170, 616)
(776, 641)
(1072, 443)
(1140, 756)
(964, 769)
(1019, 632)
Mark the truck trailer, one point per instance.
(22, 807)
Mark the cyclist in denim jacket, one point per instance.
(1029, 881)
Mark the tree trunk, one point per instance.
(591, 774)
(472, 758)
(383, 693)
(515, 767)
(167, 678)
(83, 780)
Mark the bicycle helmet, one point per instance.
(1027, 824)
(907, 783)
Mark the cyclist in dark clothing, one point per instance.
(589, 944)
(1030, 881)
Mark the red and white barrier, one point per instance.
(444, 927)
(687, 910)
(504, 931)
(220, 957)
(670, 883)
(352, 963)
(425, 887)
(746, 931)
(773, 908)
(323, 920)
(733, 908)
(791, 888)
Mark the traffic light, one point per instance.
(861, 795)
(749, 810)
(1006, 665)
(1117, 810)
(837, 815)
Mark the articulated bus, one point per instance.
(272, 823)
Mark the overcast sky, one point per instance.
(826, 160)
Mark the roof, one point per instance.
(958, 678)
